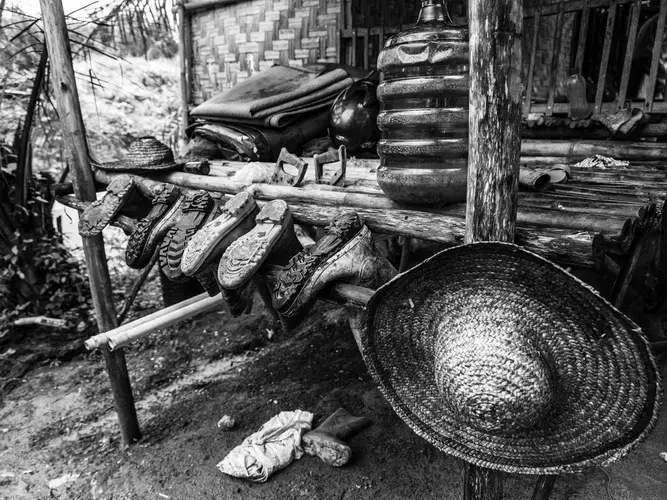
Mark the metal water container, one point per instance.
(423, 117)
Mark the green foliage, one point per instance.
(60, 280)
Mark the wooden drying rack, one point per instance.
(597, 220)
(585, 222)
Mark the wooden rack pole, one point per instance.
(69, 110)
(185, 101)
(566, 246)
(494, 150)
(203, 303)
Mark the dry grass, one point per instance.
(120, 100)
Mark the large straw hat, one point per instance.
(145, 153)
(499, 357)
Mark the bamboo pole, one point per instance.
(451, 215)
(101, 339)
(23, 172)
(201, 304)
(163, 320)
(583, 149)
(69, 110)
(566, 246)
(494, 150)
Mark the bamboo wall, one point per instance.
(232, 42)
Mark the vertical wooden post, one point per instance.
(185, 78)
(493, 161)
(481, 484)
(495, 119)
(69, 110)
(544, 487)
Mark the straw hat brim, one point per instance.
(125, 166)
(606, 383)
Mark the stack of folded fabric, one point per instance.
(279, 107)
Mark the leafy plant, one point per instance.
(61, 283)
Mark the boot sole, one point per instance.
(101, 212)
(142, 242)
(196, 208)
(243, 258)
(204, 243)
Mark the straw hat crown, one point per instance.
(147, 151)
(498, 383)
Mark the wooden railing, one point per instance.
(360, 47)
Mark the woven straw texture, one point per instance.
(145, 153)
(544, 53)
(230, 43)
(501, 358)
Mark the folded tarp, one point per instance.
(280, 119)
(238, 141)
(274, 90)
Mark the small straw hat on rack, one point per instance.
(503, 359)
(144, 154)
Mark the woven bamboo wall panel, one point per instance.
(232, 42)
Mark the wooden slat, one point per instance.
(583, 34)
(604, 62)
(353, 58)
(365, 38)
(572, 6)
(555, 56)
(562, 108)
(629, 51)
(655, 60)
(527, 102)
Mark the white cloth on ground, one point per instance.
(271, 448)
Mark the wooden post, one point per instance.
(544, 487)
(481, 484)
(494, 149)
(69, 110)
(495, 119)
(185, 78)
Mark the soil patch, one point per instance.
(59, 427)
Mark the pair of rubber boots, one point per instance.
(266, 251)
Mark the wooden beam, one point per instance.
(494, 149)
(494, 119)
(185, 78)
(69, 110)
(544, 487)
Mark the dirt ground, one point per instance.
(59, 435)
